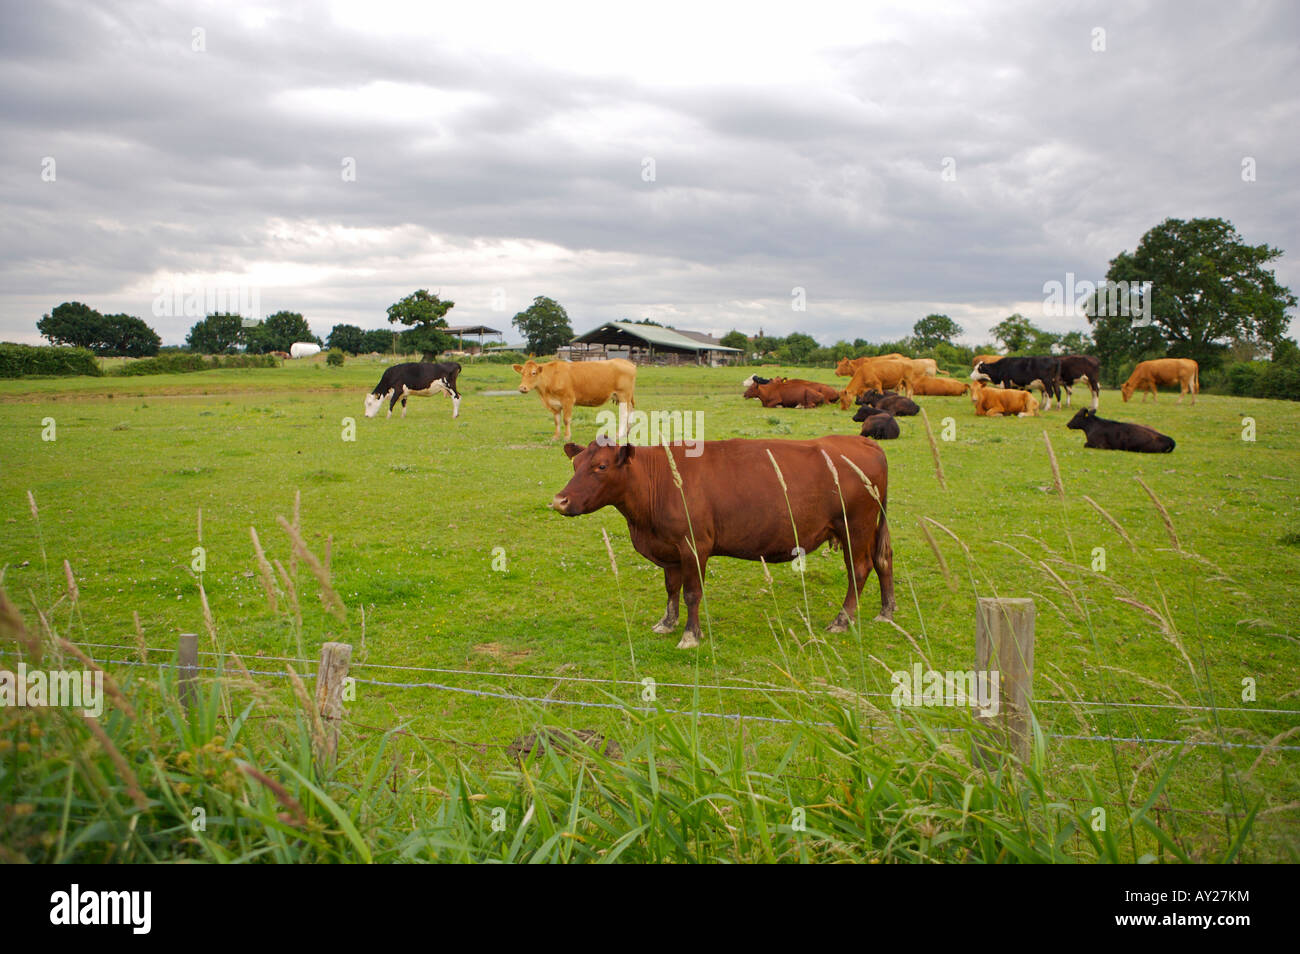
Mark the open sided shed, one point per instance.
(648, 344)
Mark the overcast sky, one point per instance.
(693, 163)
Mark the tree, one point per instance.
(545, 324)
(128, 337)
(348, 338)
(424, 314)
(216, 334)
(1076, 342)
(797, 348)
(73, 323)
(279, 332)
(933, 329)
(1207, 287)
(1015, 332)
(736, 339)
(383, 340)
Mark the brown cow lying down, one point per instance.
(791, 392)
(739, 508)
(1148, 375)
(939, 387)
(876, 423)
(998, 402)
(1119, 435)
(895, 404)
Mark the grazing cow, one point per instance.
(414, 377)
(563, 384)
(996, 402)
(892, 374)
(1043, 373)
(895, 404)
(939, 387)
(1148, 375)
(303, 349)
(1081, 366)
(282, 355)
(783, 392)
(739, 507)
(922, 366)
(876, 423)
(1119, 435)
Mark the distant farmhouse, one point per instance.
(649, 344)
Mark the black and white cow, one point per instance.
(1075, 367)
(1043, 373)
(1119, 435)
(414, 377)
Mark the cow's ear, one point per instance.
(625, 453)
(572, 450)
(519, 368)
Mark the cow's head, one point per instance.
(870, 396)
(975, 390)
(530, 372)
(1081, 419)
(373, 403)
(754, 390)
(845, 368)
(600, 475)
(866, 412)
(1127, 388)
(980, 373)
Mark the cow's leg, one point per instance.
(392, 401)
(858, 567)
(568, 421)
(882, 558)
(622, 432)
(693, 583)
(403, 406)
(1069, 396)
(556, 412)
(673, 584)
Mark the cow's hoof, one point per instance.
(689, 641)
(884, 616)
(663, 627)
(840, 624)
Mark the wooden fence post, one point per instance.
(189, 668)
(335, 658)
(1004, 643)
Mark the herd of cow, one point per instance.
(777, 500)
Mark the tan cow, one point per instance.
(847, 367)
(941, 387)
(1183, 372)
(997, 402)
(892, 375)
(562, 384)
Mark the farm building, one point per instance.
(462, 331)
(648, 344)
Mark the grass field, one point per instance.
(417, 507)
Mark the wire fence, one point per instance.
(732, 716)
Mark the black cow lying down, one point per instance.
(876, 423)
(895, 404)
(1119, 435)
(414, 377)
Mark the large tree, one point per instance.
(1016, 332)
(1208, 287)
(545, 324)
(424, 314)
(350, 339)
(933, 329)
(73, 323)
(736, 339)
(279, 332)
(216, 334)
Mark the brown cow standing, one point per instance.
(893, 374)
(562, 384)
(738, 507)
(1183, 372)
(791, 392)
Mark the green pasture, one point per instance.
(1198, 614)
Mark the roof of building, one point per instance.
(628, 333)
(470, 330)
